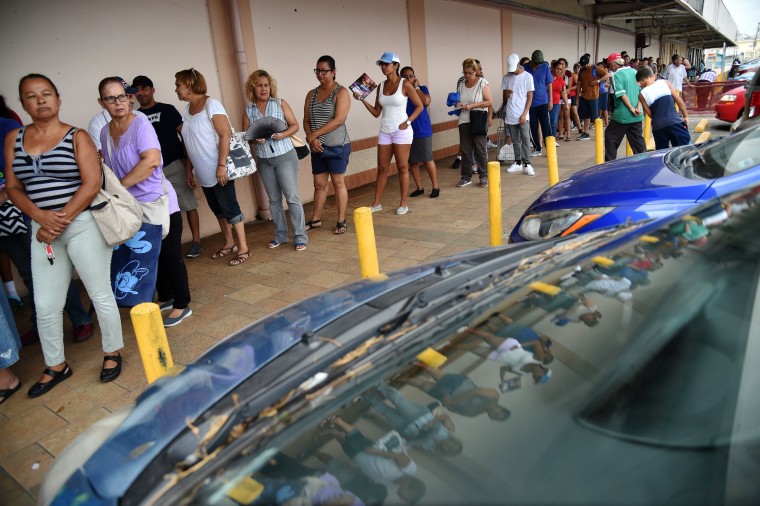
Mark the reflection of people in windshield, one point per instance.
(417, 423)
(611, 286)
(459, 394)
(513, 357)
(503, 326)
(381, 465)
(575, 309)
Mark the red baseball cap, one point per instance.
(613, 57)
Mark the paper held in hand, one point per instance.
(364, 85)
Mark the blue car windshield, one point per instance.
(629, 377)
(729, 156)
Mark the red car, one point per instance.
(730, 105)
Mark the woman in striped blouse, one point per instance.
(276, 158)
(53, 175)
(324, 121)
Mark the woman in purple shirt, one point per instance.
(132, 150)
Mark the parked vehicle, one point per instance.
(643, 186)
(730, 105)
(617, 367)
(751, 115)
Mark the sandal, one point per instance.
(340, 228)
(313, 224)
(240, 258)
(6, 394)
(225, 251)
(300, 246)
(273, 244)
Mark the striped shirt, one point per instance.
(322, 112)
(51, 178)
(272, 147)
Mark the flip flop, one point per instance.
(313, 224)
(240, 258)
(225, 251)
(340, 228)
(8, 392)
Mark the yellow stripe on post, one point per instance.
(151, 340)
(494, 202)
(701, 126)
(599, 133)
(628, 149)
(365, 240)
(703, 137)
(551, 157)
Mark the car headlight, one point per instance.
(563, 222)
(727, 98)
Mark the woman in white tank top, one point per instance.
(395, 138)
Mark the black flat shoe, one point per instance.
(111, 374)
(5, 394)
(43, 388)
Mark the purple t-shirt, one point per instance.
(139, 137)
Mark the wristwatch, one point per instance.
(408, 123)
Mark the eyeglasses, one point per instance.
(322, 72)
(112, 100)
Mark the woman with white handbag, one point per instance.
(131, 148)
(206, 132)
(53, 175)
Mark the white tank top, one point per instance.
(394, 108)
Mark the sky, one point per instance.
(745, 13)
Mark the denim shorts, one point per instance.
(398, 137)
(330, 165)
(223, 202)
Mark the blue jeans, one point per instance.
(539, 114)
(553, 119)
(222, 201)
(280, 177)
(9, 340)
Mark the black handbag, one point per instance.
(11, 220)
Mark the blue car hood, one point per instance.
(635, 180)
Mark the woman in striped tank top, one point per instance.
(53, 175)
(324, 121)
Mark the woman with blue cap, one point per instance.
(396, 135)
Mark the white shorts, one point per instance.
(397, 137)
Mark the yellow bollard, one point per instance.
(628, 150)
(703, 137)
(151, 340)
(599, 133)
(551, 157)
(648, 133)
(701, 126)
(494, 202)
(365, 240)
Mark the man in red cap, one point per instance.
(627, 116)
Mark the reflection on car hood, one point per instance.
(644, 175)
(163, 410)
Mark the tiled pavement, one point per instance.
(35, 431)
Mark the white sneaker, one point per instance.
(557, 143)
(515, 167)
(529, 170)
(474, 168)
(535, 153)
(376, 208)
(490, 145)
(402, 210)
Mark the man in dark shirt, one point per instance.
(542, 103)
(167, 122)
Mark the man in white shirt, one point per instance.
(518, 88)
(675, 72)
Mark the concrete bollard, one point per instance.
(494, 202)
(151, 340)
(551, 158)
(365, 240)
(701, 126)
(703, 137)
(628, 150)
(599, 134)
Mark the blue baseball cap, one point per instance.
(388, 57)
